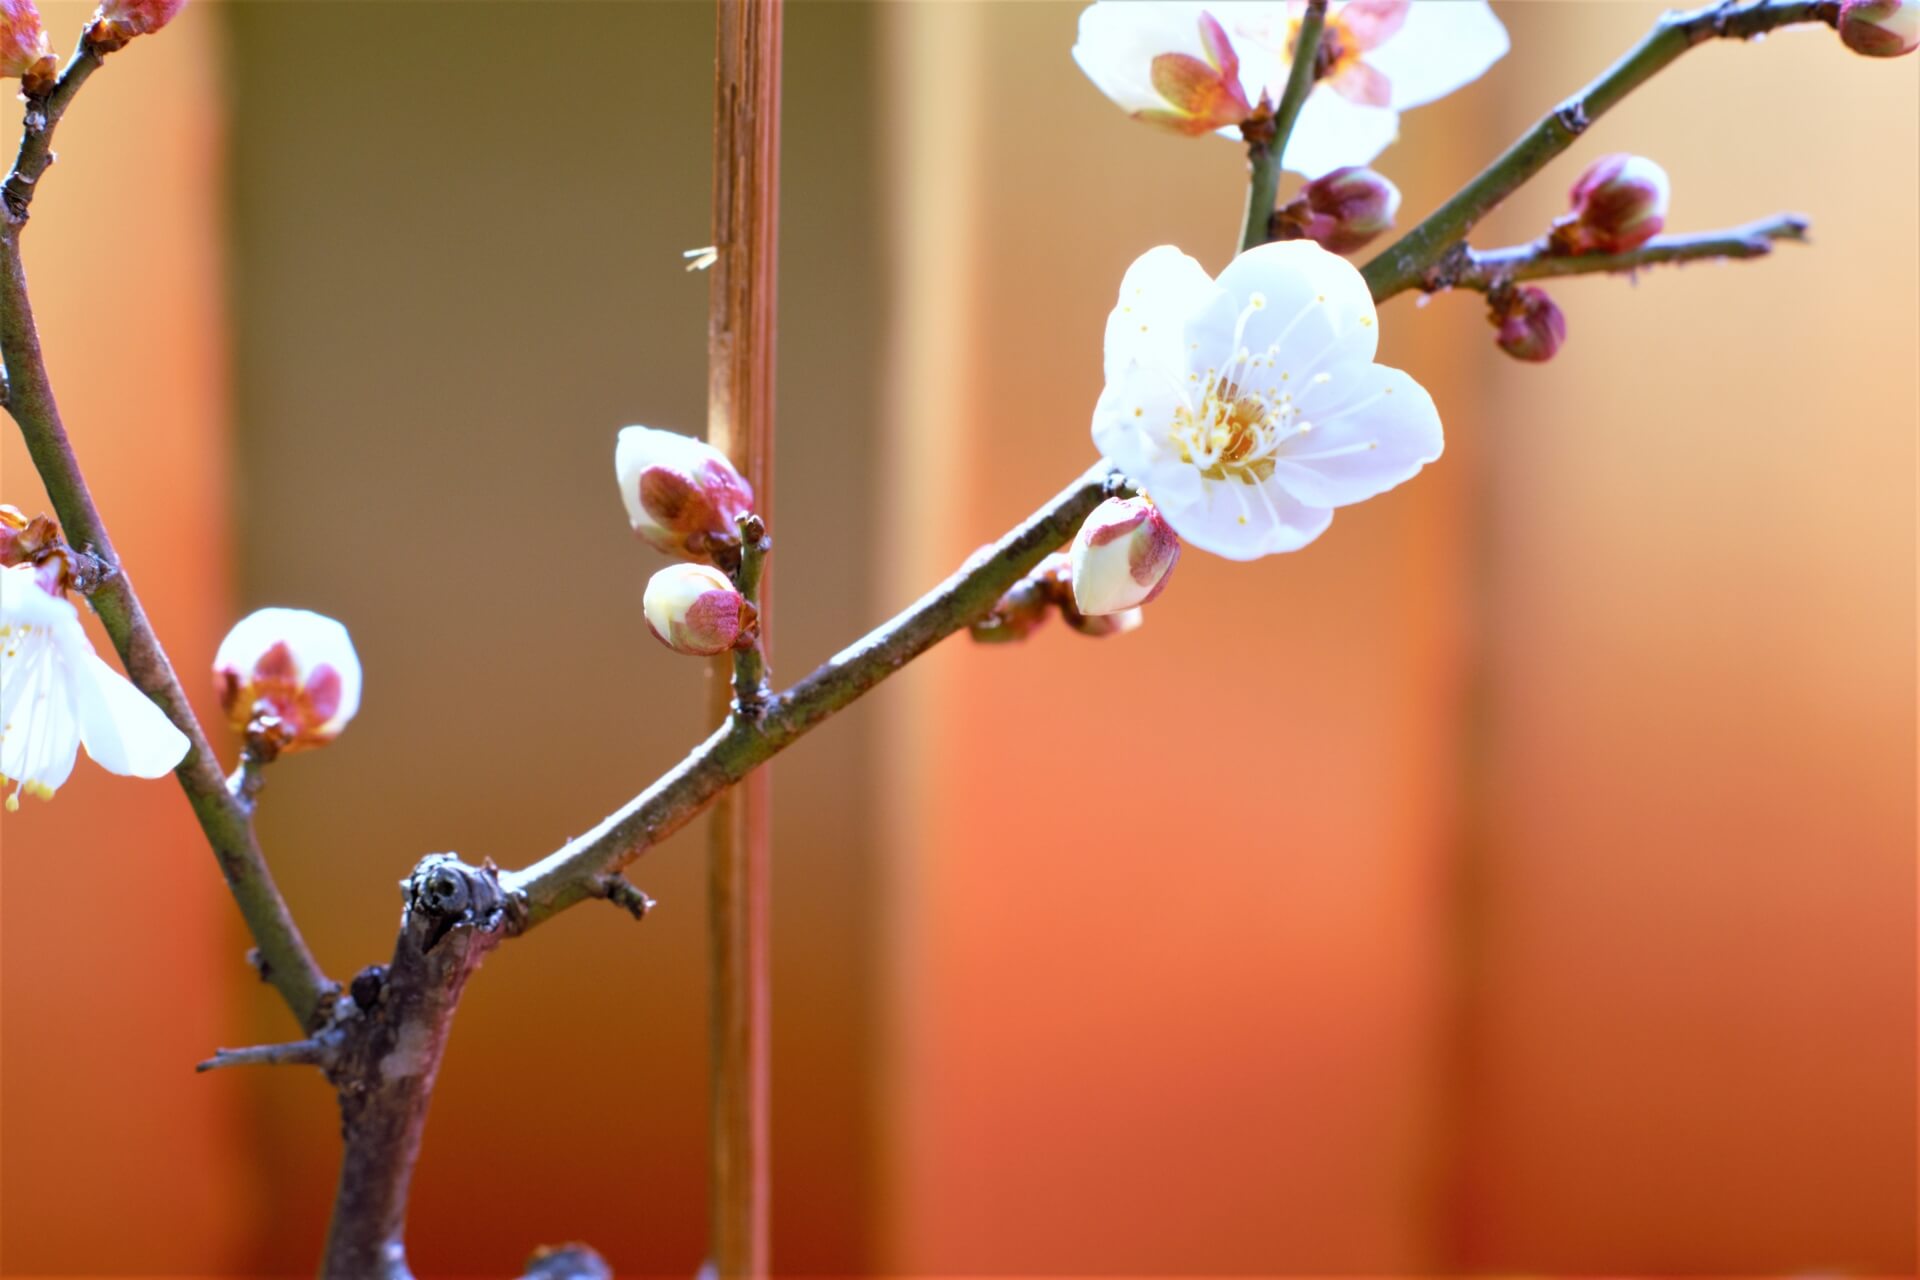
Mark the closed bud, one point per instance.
(1880, 28)
(1530, 326)
(24, 53)
(694, 609)
(1122, 557)
(683, 497)
(1619, 204)
(290, 676)
(1017, 615)
(1344, 210)
(117, 21)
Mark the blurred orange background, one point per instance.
(1521, 879)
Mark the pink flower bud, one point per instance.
(290, 673)
(1530, 326)
(1017, 615)
(1880, 28)
(24, 53)
(1346, 209)
(693, 608)
(683, 497)
(1122, 557)
(117, 21)
(1619, 204)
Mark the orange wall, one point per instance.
(1523, 876)
(121, 954)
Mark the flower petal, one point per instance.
(123, 730)
(1119, 41)
(39, 734)
(1242, 521)
(1372, 428)
(1333, 132)
(1312, 305)
(1443, 45)
(1160, 291)
(1374, 22)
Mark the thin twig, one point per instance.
(305, 1053)
(285, 960)
(1266, 160)
(36, 138)
(750, 664)
(574, 872)
(1405, 263)
(1488, 269)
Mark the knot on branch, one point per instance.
(567, 1262)
(444, 894)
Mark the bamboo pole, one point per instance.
(740, 368)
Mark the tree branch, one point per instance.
(577, 870)
(393, 1032)
(285, 960)
(36, 137)
(1406, 263)
(300, 1053)
(1266, 154)
(1485, 270)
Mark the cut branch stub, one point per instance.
(396, 1027)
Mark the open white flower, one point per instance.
(56, 694)
(1249, 407)
(1377, 58)
(1175, 64)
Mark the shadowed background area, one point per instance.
(1520, 879)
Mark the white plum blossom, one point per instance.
(1160, 61)
(57, 694)
(1176, 65)
(1249, 407)
(294, 665)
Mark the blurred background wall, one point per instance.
(1521, 879)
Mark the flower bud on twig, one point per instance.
(289, 677)
(117, 21)
(1880, 28)
(1618, 204)
(1122, 557)
(694, 609)
(24, 52)
(1530, 326)
(1342, 211)
(683, 497)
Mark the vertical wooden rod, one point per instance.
(740, 367)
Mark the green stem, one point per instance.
(1408, 261)
(284, 959)
(1265, 155)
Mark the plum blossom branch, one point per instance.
(750, 662)
(294, 1053)
(584, 868)
(1287, 114)
(1488, 269)
(36, 138)
(1408, 261)
(1267, 147)
(284, 959)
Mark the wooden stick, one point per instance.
(740, 368)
